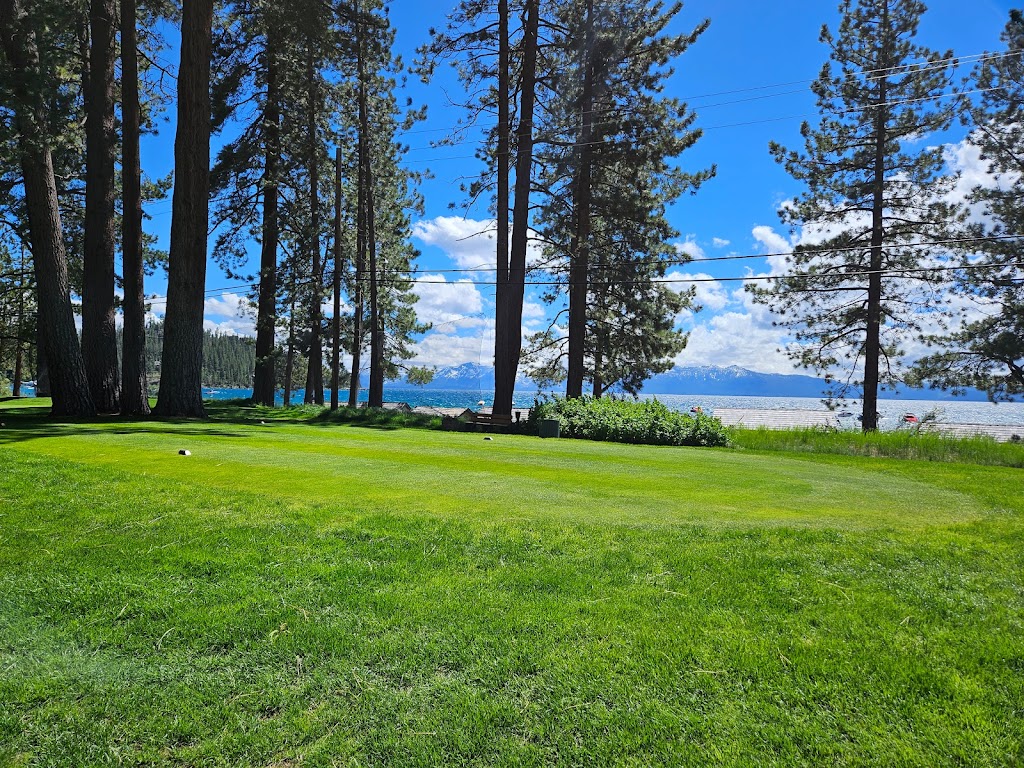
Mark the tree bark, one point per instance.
(338, 264)
(19, 349)
(315, 372)
(134, 387)
(42, 367)
(580, 258)
(376, 393)
(99, 332)
(508, 333)
(375, 396)
(873, 336)
(357, 312)
(68, 382)
(289, 358)
(361, 219)
(504, 149)
(181, 392)
(264, 380)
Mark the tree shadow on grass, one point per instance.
(22, 428)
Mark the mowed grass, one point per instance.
(301, 594)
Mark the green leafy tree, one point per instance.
(873, 194)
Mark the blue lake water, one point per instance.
(948, 411)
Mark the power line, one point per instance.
(540, 138)
(899, 272)
(871, 74)
(744, 257)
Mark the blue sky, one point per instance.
(748, 79)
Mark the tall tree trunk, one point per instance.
(19, 349)
(600, 331)
(508, 338)
(99, 332)
(289, 357)
(361, 218)
(504, 131)
(315, 373)
(873, 337)
(264, 380)
(338, 264)
(18, 358)
(134, 387)
(357, 312)
(42, 366)
(68, 381)
(376, 394)
(579, 260)
(181, 385)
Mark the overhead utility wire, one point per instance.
(953, 61)
(809, 250)
(541, 138)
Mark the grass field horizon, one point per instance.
(298, 593)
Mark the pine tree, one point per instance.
(511, 293)
(988, 353)
(385, 195)
(607, 121)
(99, 337)
(134, 384)
(27, 85)
(182, 357)
(496, 61)
(872, 196)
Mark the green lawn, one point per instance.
(303, 594)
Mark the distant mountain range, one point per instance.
(697, 380)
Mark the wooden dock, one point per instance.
(749, 418)
(999, 432)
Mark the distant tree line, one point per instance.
(228, 359)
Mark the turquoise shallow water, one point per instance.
(949, 411)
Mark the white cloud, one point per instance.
(690, 248)
(469, 243)
(442, 349)
(230, 314)
(737, 338)
(773, 243)
(719, 242)
(451, 305)
(711, 294)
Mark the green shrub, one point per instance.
(647, 422)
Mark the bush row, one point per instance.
(647, 422)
